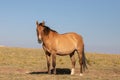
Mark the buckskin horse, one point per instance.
(54, 44)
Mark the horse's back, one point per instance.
(67, 42)
(72, 35)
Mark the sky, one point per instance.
(98, 21)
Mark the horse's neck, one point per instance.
(50, 37)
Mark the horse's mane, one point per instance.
(47, 29)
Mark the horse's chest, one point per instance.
(50, 48)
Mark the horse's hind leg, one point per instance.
(80, 61)
(54, 63)
(72, 57)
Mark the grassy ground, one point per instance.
(30, 64)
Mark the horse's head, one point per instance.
(43, 31)
(39, 29)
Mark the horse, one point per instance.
(54, 44)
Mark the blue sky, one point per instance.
(98, 21)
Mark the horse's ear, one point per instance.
(43, 23)
(37, 23)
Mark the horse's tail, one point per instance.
(84, 60)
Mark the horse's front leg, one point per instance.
(48, 61)
(54, 63)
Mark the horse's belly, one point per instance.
(65, 45)
(64, 50)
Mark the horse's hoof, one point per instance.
(81, 74)
(49, 72)
(54, 73)
(71, 74)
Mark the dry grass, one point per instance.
(23, 64)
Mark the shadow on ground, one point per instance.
(59, 71)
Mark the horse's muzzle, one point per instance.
(39, 41)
